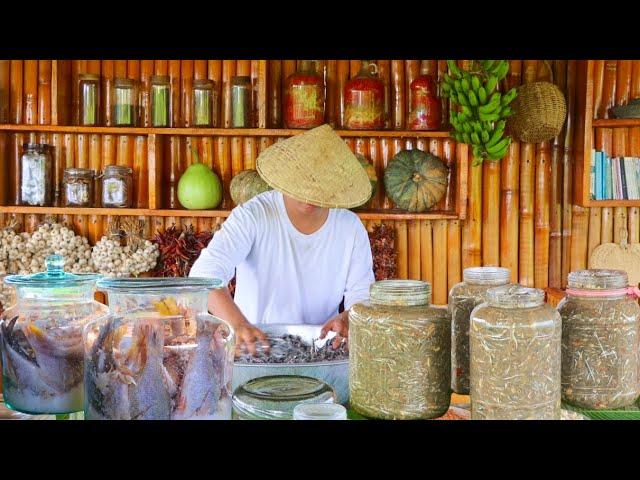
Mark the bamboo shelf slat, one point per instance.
(616, 122)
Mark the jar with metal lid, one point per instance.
(364, 99)
(241, 101)
(204, 111)
(600, 340)
(78, 187)
(399, 353)
(160, 100)
(515, 356)
(319, 411)
(463, 298)
(41, 339)
(304, 97)
(36, 175)
(275, 397)
(117, 185)
(124, 102)
(89, 85)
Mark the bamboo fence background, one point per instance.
(519, 213)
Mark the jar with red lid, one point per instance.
(425, 105)
(304, 97)
(364, 99)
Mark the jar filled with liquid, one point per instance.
(160, 101)
(89, 99)
(204, 111)
(124, 103)
(241, 102)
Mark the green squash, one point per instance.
(415, 180)
(246, 185)
(371, 173)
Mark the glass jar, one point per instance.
(425, 111)
(319, 411)
(36, 175)
(7, 297)
(124, 103)
(241, 101)
(399, 353)
(364, 99)
(89, 85)
(78, 187)
(204, 111)
(159, 355)
(600, 340)
(515, 356)
(117, 185)
(160, 100)
(275, 397)
(41, 339)
(304, 97)
(463, 298)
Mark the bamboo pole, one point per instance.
(186, 76)
(567, 169)
(509, 210)
(598, 81)
(426, 251)
(228, 71)
(68, 160)
(275, 92)
(120, 68)
(541, 216)
(444, 101)
(439, 287)
(173, 69)
(413, 239)
(5, 88)
(491, 214)
(384, 72)
(146, 71)
(341, 79)
(397, 95)
(44, 92)
(107, 68)
(619, 139)
(526, 255)
(633, 150)
(108, 158)
(330, 78)
(453, 254)
(623, 81)
(608, 88)
(30, 115)
(412, 70)
(95, 159)
(16, 91)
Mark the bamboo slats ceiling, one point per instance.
(519, 212)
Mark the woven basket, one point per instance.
(539, 110)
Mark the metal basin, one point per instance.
(335, 373)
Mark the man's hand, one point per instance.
(248, 335)
(338, 324)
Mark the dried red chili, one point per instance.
(179, 249)
(383, 249)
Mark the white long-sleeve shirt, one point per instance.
(283, 275)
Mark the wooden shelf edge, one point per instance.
(608, 203)
(616, 122)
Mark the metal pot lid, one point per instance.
(54, 276)
(146, 285)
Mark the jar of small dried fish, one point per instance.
(399, 353)
(463, 298)
(515, 356)
(117, 183)
(36, 175)
(600, 340)
(78, 187)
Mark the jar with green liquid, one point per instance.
(124, 102)
(89, 85)
(160, 101)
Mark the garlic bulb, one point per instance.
(115, 260)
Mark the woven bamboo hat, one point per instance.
(316, 167)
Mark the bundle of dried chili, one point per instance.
(383, 249)
(179, 249)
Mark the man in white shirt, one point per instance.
(295, 259)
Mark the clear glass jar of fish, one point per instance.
(463, 298)
(36, 175)
(275, 397)
(159, 355)
(399, 353)
(600, 340)
(515, 356)
(41, 339)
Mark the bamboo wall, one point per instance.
(520, 213)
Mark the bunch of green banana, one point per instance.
(480, 118)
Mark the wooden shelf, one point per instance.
(213, 132)
(611, 203)
(616, 122)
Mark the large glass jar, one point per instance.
(399, 353)
(124, 101)
(41, 339)
(600, 340)
(241, 101)
(364, 99)
(78, 187)
(160, 100)
(425, 111)
(117, 186)
(463, 298)
(304, 97)
(515, 356)
(7, 295)
(36, 175)
(159, 355)
(204, 111)
(89, 86)
(275, 397)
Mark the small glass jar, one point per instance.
(78, 187)
(117, 186)
(425, 111)
(304, 97)
(463, 298)
(160, 100)
(275, 397)
(241, 101)
(124, 103)
(204, 111)
(319, 411)
(36, 175)
(399, 353)
(364, 99)
(515, 356)
(89, 85)
(600, 340)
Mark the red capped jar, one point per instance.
(425, 105)
(364, 99)
(304, 97)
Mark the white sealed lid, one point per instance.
(319, 411)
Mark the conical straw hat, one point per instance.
(316, 167)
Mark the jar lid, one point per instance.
(319, 411)
(598, 279)
(54, 276)
(400, 293)
(118, 169)
(240, 79)
(149, 285)
(89, 76)
(160, 78)
(203, 83)
(515, 296)
(39, 147)
(79, 171)
(486, 275)
(124, 82)
(276, 396)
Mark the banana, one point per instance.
(499, 66)
(475, 139)
(499, 146)
(465, 84)
(506, 112)
(458, 85)
(477, 151)
(484, 135)
(487, 64)
(448, 80)
(503, 70)
(488, 117)
(496, 135)
(467, 128)
(454, 68)
(473, 99)
(507, 97)
(462, 99)
(466, 110)
(453, 96)
(492, 83)
(482, 95)
(492, 106)
(475, 83)
(499, 154)
(446, 88)
(466, 138)
(477, 127)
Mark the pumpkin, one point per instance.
(415, 180)
(623, 256)
(246, 185)
(371, 173)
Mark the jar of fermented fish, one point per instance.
(364, 99)
(399, 353)
(160, 100)
(36, 175)
(78, 187)
(600, 340)
(463, 298)
(204, 110)
(124, 102)
(515, 356)
(304, 97)
(117, 183)
(89, 85)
